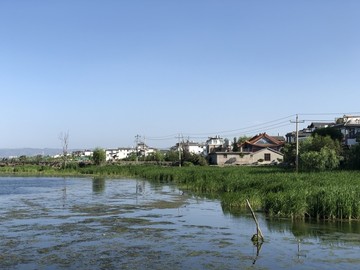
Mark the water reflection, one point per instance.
(335, 232)
(140, 187)
(258, 245)
(117, 229)
(64, 195)
(98, 185)
(313, 228)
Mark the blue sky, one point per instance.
(106, 71)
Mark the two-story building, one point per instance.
(216, 144)
(306, 132)
(350, 128)
(118, 153)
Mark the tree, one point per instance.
(99, 156)
(353, 157)
(172, 156)
(320, 153)
(333, 133)
(155, 156)
(235, 145)
(325, 159)
(289, 151)
(23, 159)
(317, 142)
(243, 139)
(64, 138)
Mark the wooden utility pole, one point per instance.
(297, 141)
(137, 138)
(179, 149)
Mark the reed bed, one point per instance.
(277, 191)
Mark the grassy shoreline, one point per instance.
(276, 191)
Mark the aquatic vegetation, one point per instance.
(277, 191)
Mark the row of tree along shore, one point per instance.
(276, 190)
(323, 151)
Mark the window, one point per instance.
(267, 157)
(225, 155)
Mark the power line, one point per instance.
(264, 126)
(244, 128)
(338, 113)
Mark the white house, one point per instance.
(118, 154)
(214, 144)
(350, 128)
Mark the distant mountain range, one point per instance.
(16, 152)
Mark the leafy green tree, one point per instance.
(243, 139)
(23, 159)
(172, 156)
(317, 142)
(320, 153)
(99, 156)
(325, 159)
(289, 152)
(235, 145)
(156, 156)
(333, 133)
(353, 157)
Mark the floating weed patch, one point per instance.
(222, 243)
(165, 204)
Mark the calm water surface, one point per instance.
(82, 223)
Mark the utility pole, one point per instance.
(297, 141)
(144, 149)
(179, 148)
(137, 138)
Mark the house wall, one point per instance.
(195, 149)
(261, 156)
(350, 134)
(234, 158)
(117, 154)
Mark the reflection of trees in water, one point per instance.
(98, 184)
(313, 228)
(322, 229)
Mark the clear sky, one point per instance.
(105, 71)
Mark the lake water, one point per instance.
(83, 223)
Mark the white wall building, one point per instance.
(350, 128)
(214, 144)
(118, 154)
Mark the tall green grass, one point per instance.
(276, 191)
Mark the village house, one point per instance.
(191, 147)
(261, 157)
(262, 141)
(83, 154)
(260, 149)
(144, 150)
(217, 144)
(118, 154)
(306, 132)
(350, 128)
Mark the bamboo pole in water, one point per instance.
(258, 230)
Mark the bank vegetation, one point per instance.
(278, 191)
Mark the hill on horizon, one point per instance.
(29, 152)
